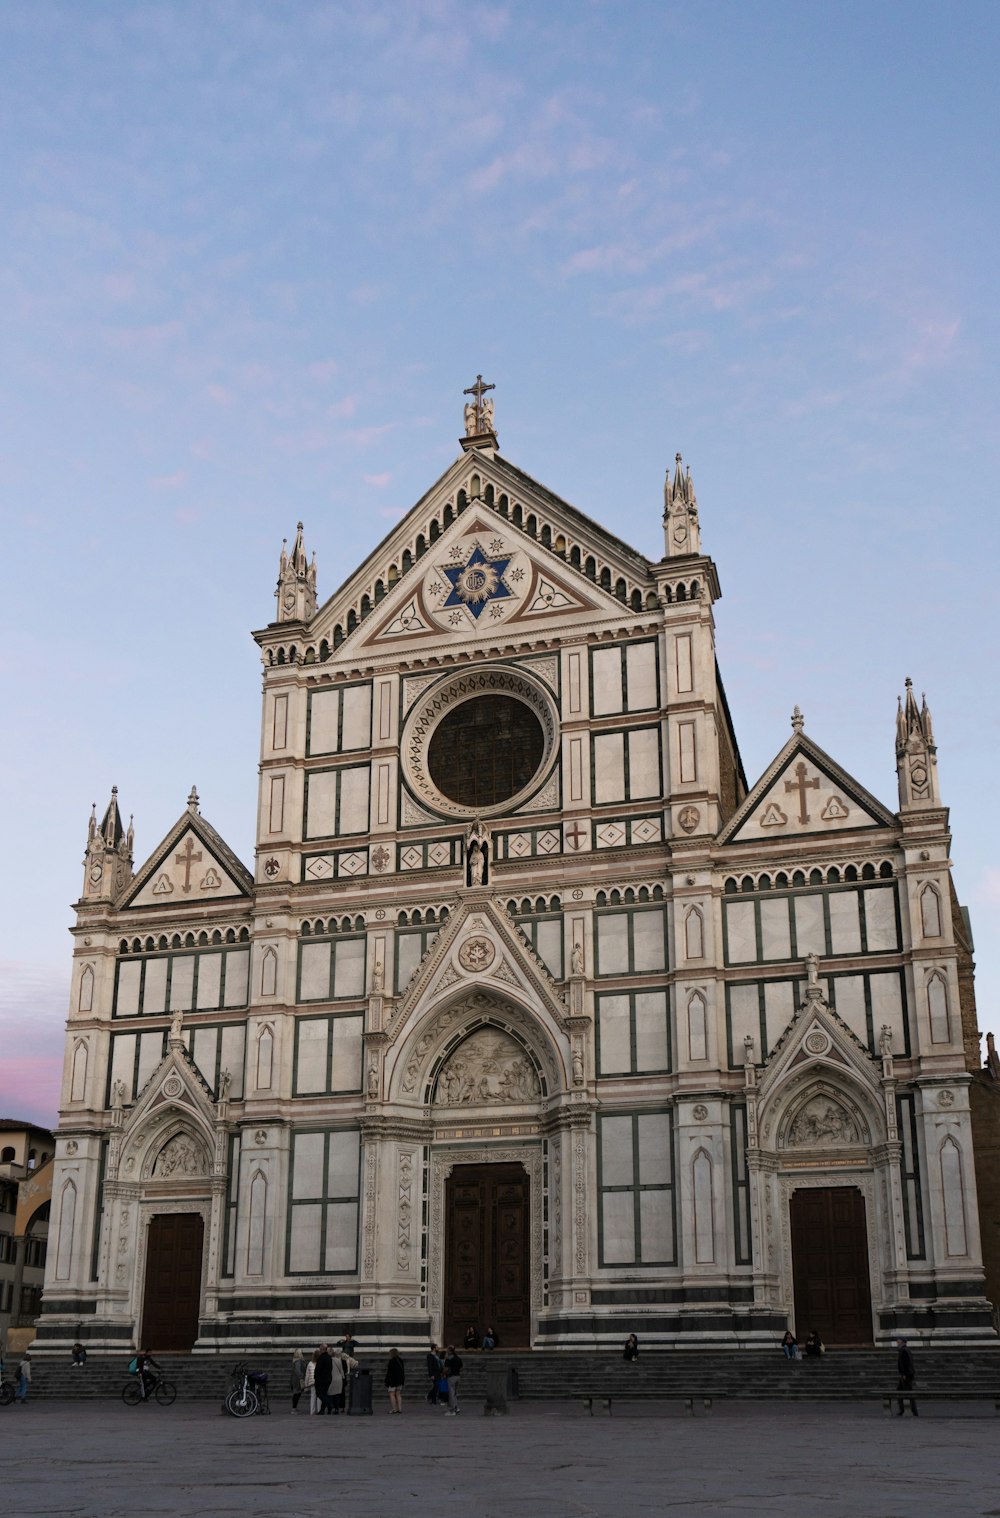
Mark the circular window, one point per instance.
(481, 742)
(485, 751)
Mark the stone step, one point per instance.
(561, 1375)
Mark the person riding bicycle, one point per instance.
(146, 1380)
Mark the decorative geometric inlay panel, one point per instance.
(647, 830)
(411, 859)
(548, 842)
(352, 864)
(519, 845)
(439, 854)
(320, 869)
(610, 835)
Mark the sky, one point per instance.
(251, 255)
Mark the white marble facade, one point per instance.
(673, 1001)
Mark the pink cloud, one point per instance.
(169, 481)
(378, 480)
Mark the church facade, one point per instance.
(529, 1012)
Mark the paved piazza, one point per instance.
(65, 1458)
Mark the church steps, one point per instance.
(762, 1375)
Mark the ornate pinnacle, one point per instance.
(798, 721)
(192, 802)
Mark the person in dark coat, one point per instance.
(395, 1376)
(324, 1376)
(631, 1350)
(435, 1371)
(452, 1370)
(907, 1376)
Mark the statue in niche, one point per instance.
(182, 1156)
(487, 1068)
(822, 1123)
(225, 1081)
(119, 1091)
(477, 854)
(885, 1041)
(577, 1068)
(177, 1028)
(576, 960)
(378, 978)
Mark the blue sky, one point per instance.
(252, 253)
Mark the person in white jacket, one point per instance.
(309, 1383)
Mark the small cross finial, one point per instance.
(479, 412)
(798, 721)
(193, 799)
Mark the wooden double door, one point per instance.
(830, 1265)
(488, 1253)
(172, 1297)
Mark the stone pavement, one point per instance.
(74, 1459)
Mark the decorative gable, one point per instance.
(804, 792)
(480, 947)
(480, 576)
(191, 866)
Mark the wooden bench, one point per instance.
(923, 1395)
(633, 1396)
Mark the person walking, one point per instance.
(907, 1376)
(452, 1371)
(298, 1377)
(324, 1378)
(395, 1377)
(23, 1379)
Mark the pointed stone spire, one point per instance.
(680, 513)
(916, 753)
(296, 590)
(107, 862)
(192, 802)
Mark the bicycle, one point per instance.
(249, 1392)
(7, 1393)
(165, 1392)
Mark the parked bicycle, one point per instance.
(8, 1388)
(164, 1392)
(249, 1392)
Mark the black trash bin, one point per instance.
(359, 1398)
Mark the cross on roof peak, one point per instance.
(479, 412)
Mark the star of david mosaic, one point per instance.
(477, 582)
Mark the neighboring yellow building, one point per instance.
(25, 1194)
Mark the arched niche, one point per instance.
(422, 1054)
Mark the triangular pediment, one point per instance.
(817, 1037)
(191, 866)
(479, 948)
(458, 567)
(170, 1132)
(803, 792)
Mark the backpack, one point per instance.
(133, 1365)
